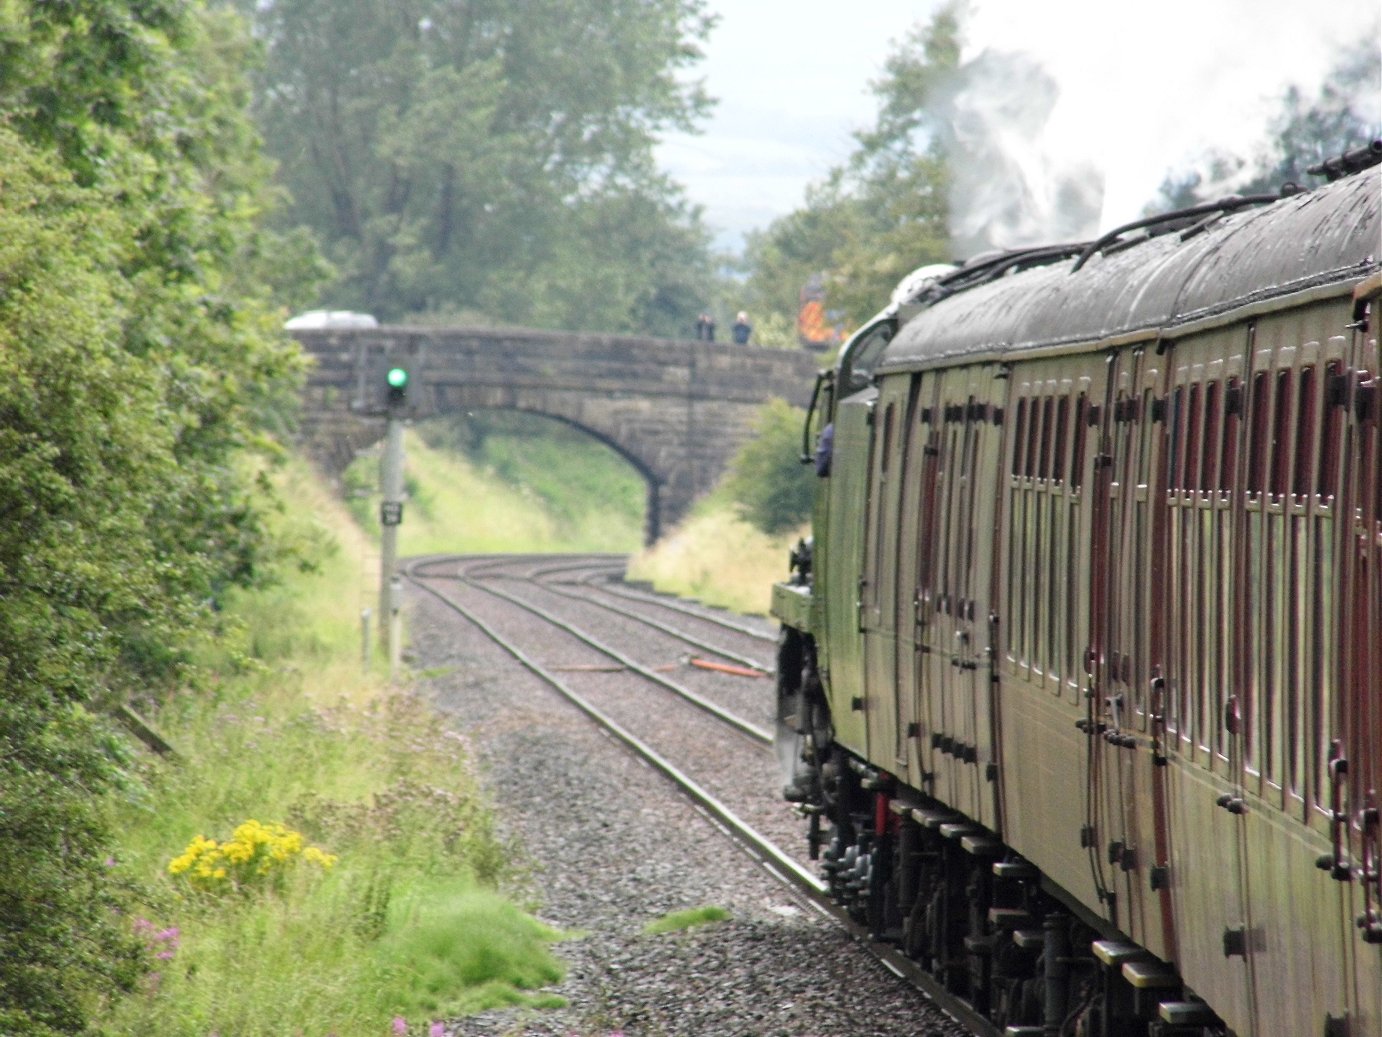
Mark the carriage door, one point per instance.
(1283, 716)
(964, 663)
(879, 583)
(1359, 837)
(916, 552)
(1134, 836)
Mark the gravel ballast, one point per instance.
(610, 846)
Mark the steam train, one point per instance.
(1080, 675)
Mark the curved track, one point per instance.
(487, 590)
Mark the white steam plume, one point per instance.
(1096, 102)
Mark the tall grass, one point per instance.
(718, 558)
(522, 493)
(292, 731)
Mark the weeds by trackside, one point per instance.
(314, 819)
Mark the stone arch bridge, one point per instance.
(675, 410)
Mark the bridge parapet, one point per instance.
(677, 410)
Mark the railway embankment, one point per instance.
(304, 858)
(335, 827)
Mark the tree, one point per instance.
(138, 353)
(884, 212)
(76, 458)
(467, 156)
(769, 486)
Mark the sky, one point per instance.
(1144, 88)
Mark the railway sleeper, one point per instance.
(978, 918)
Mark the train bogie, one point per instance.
(1096, 604)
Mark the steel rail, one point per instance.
(613, 564)
(603, 564)
(598, 580)
(670, 631)
(767, 853)
(478, 566)
(674, 606)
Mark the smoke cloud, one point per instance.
(1065, 119)
(1008, 190)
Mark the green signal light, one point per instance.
(397, 379)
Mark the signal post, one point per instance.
(391, 516)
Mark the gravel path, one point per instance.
(611, 847)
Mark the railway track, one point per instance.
(574, 599)
(756, 732)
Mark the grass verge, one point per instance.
(519, 497)
(719, 559)
(405, 925)
(405, 921)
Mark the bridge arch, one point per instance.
(676, 410)
(651, 483)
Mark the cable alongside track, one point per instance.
(482, 574)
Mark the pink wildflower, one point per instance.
(400, 1026)
(436, 1030)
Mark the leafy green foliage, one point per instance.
(491, 159)
(373, 778)
(771, 488)
(77, 476)
(387, 792)
(883, 213)
(137, 356)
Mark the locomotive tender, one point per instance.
(1080, 678)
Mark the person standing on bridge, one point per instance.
(742, 329)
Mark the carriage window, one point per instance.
(1062, 438)
(1281, 428)
(1019, 436)
(1228, 456)
(1044, 464)
(1077, 458)
(1211, 440)
(1257, 435)
(1327, 472)
(1175, 424)
(1305, 434)
(885, 457)
(1029, 464)
(1193, 440)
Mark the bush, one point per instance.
(769, 485)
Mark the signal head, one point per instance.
(397, 380)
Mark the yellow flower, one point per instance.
(254, 853)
